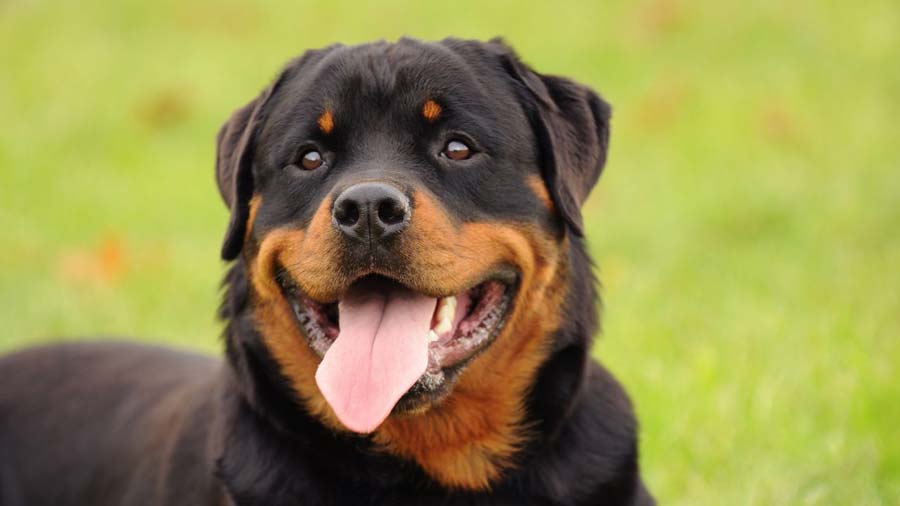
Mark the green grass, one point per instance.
(747, 228)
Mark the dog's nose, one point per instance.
(371, 211)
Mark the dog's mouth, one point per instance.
(460, 324)
(386, 347)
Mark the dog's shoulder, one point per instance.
(84, 411)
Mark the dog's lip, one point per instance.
(446, 354)
(505, 274)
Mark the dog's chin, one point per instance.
(464, 324)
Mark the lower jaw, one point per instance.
(431, 389)
(436, 384)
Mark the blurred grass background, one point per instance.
(747, 228)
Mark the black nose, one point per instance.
(371, 211)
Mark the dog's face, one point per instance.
(404, 212)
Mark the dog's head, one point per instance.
(404, 213)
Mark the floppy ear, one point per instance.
(234, 168)
(572, 127)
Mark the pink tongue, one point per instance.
(381, 351)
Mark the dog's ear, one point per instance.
(234, 171)
(572, 127)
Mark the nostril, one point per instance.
(347, 213)
(391, 212)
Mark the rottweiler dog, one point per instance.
(408, 313)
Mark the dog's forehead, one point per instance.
(397, 77)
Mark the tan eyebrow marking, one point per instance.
(431, 110)
(326, 122)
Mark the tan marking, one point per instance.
(326, 122)
(467, 440)
(536, 183)
(254, 204)
(431, 110)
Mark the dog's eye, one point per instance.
(312, 160)
(457, 150)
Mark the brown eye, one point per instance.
(312, 160)
(456, 150)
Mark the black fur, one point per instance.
(114, 424)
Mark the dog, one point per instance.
(409, 310)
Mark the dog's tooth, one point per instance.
(432, 336)
(448, 310)
(452, 302)
(442, 326)
(445, 313)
